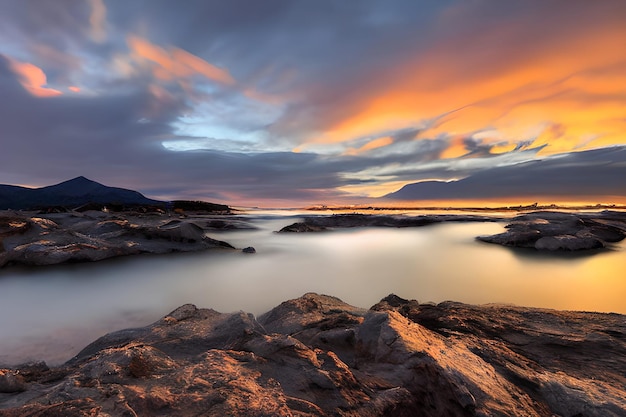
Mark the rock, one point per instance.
(301, 228)
(518, 239)
(321, 223)
(567, 243)
(562, 232)
(11, 381)
(33, 370)
(316, 355)
(249, 249)
(543, 230)
(82, 237)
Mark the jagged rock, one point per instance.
(249, 249)
(318, 356)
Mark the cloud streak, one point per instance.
(175, 62)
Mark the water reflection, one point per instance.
(51, 313)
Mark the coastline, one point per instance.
(30, 238)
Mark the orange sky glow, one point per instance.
(577, 85)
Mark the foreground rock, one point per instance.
(317, 356)
(556, 231)
(46, 239)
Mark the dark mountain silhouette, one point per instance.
(598, 172)
(70, 194)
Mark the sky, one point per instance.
(296, 102)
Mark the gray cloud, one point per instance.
(109, 140)
(299, 66)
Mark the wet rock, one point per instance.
(249, 249)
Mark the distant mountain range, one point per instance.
(70, 194)
(594, 173)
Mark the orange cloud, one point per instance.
(373, 144)
(74, 89)
(174, 63)
(502, 78)
(32, 78)
(373, 190)
(455, 149)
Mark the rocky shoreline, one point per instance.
(29, 238)
(318, 356)
(545, 231)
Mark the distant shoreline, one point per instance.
(513, 208)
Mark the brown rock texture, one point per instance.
(318, 356)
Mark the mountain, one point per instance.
(70, 194)
(593, 173)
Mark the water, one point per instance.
(51, 313)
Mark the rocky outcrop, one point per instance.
(318, 356)
(301, 227)
(340, 221)
(92, 236)
(556, 231)
(546, 231)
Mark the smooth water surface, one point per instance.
(52, 313)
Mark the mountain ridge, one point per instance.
(72, 193)
(590, 173)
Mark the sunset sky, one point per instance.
(287, 102)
